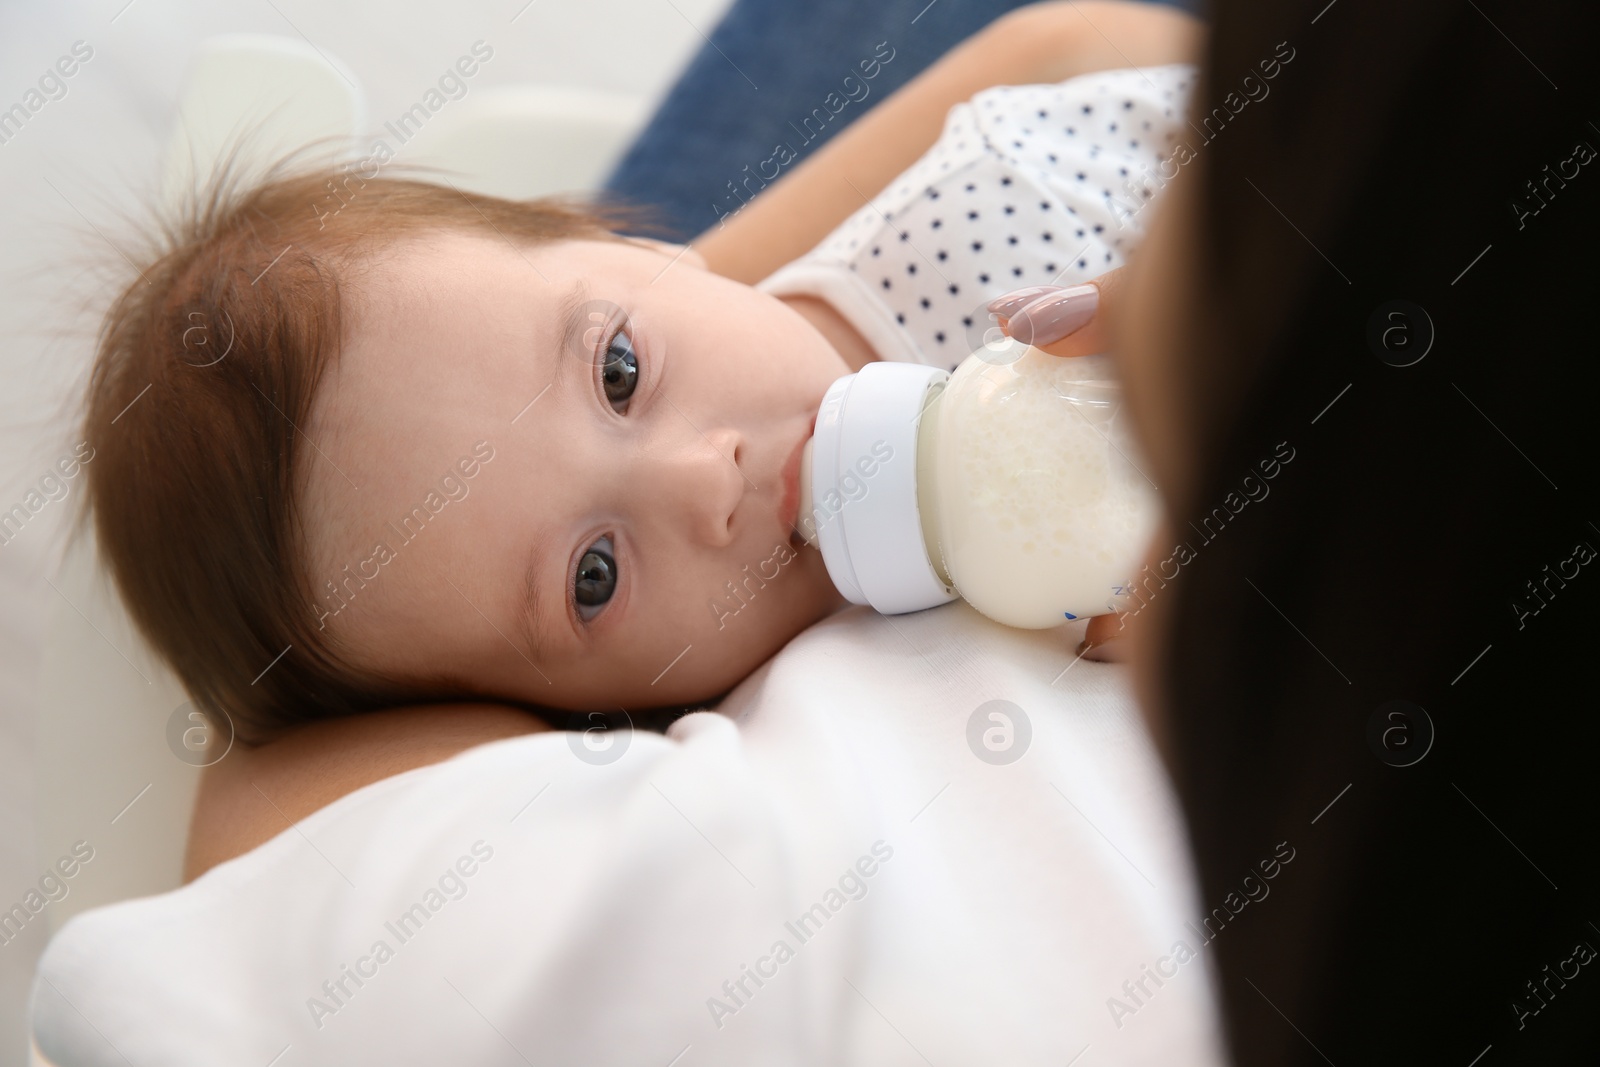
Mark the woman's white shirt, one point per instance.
(926, 838)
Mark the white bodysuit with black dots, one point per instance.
(1027, 185)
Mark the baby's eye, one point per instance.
(596, 579)
(619, 369)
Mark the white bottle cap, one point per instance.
(858, 494)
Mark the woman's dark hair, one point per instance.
(206, 368)
(1420, 187)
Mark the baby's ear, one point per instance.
(681, 253)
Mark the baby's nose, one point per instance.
(702, 483)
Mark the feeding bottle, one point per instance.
(1013, 483)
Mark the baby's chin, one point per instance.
(809, 598)
(822, 598)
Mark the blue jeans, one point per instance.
(775, 82)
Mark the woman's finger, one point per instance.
(1068, 321)
(1053, 316)
(1105, 640)
(1010, 303)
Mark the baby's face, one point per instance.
(626, 502)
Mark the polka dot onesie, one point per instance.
(1027, 185)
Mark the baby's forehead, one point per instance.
(418, 326)
(439, 331)
(444, 306)
(453, 259)
(434, 304)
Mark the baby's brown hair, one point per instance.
(205, 372)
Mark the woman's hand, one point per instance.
(1070, 321)
(1105, 640)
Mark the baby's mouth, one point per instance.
(797, 488)
(796, 491)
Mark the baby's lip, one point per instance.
(789, 505)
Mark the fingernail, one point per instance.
(1050, 318)
(1010, 302)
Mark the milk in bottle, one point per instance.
(1013, 483)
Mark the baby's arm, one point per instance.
(1038, 44)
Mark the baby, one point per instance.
(435, 446)
(630, 543)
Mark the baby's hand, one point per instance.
(1062, 321)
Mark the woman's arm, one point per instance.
(253, 794)
(1038, 44)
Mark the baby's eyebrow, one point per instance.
(570, 321)
(533, 618)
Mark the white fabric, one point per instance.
(1014, 902)
(1027, 185)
